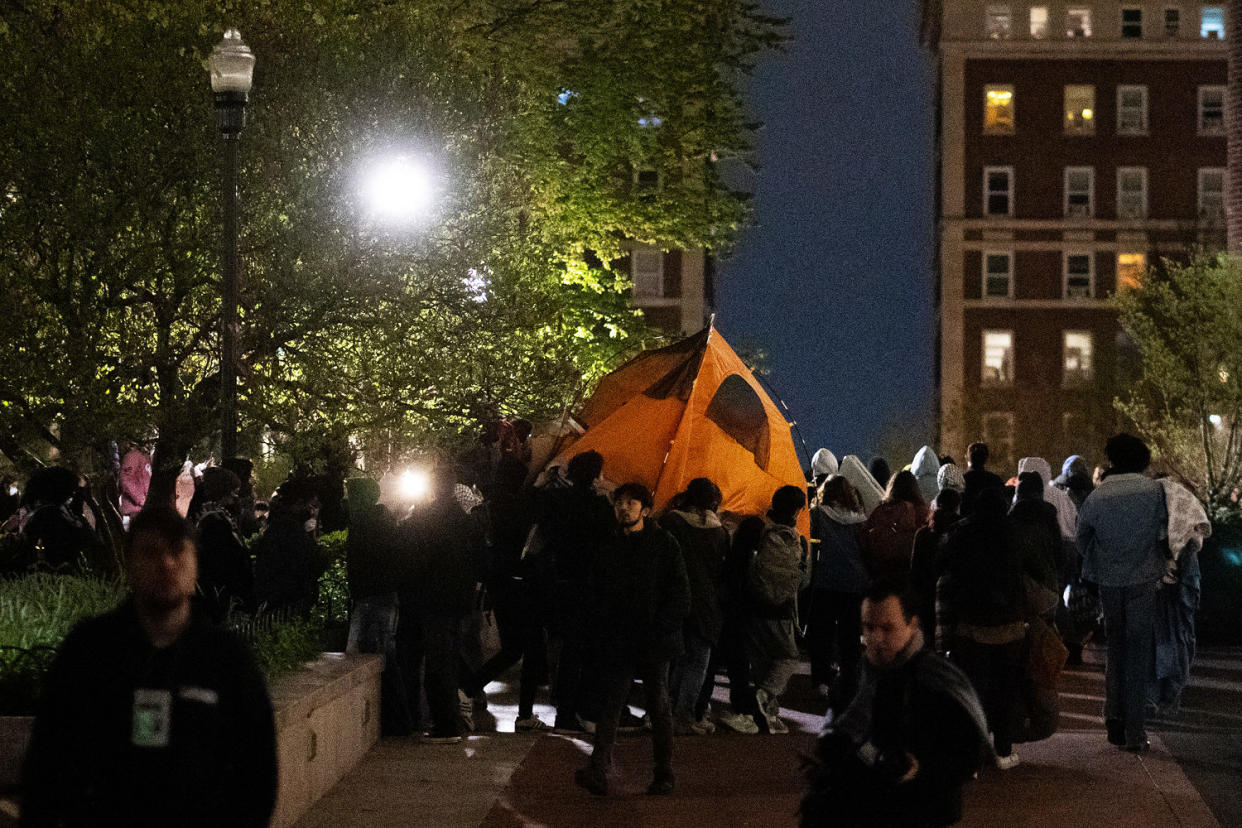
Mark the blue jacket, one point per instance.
(1121, 530)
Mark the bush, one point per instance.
(281, 642)
(332, 609)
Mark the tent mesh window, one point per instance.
(737, 409)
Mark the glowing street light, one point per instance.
(398, 190)
(415, 484)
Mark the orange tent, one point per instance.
(692, 409)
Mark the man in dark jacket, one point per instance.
(287, 560)
(151, 715)
(225, 580)
(641, 597)
(900, 754)
(977, 476)
(445, 545)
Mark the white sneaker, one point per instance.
(465, 710)
(1008, 762)
(738, 723)
(530, 724)
(777, 725)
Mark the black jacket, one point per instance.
(976, 481)
(1038, 535)
(224, 574)
(641, 596)
(219, 767)
(286, 565)
(372, 553)
(573, 523)
(985, 572)
(445, 547)
(704, 549)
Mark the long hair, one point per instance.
(904, 486)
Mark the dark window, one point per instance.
(739, 412)
(1131, 22)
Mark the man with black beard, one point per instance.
(915, 732)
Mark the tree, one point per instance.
(544, 120)
(1186, 322)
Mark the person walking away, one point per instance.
(1076, 481)
(823, 465)
(838, 580)
(739, 608)
(888, 534)
(373, 569)
(287, 559)
(225, 579)
(434, 599)
(926, 559)
(1038, 536)
(516, 602)
(986, 595)
(1121, 534)
(1178, 598)
(704, 545)
(977, 477)
(900, 754)
(640, 596)
(573, 523)
(925, 467)
(150, 714)
(779, 570)
(880, 471)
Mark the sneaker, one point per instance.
(465, 710)
(568, 727)
(662, 784)
(777, 725)
(738, 723)
(693, 728)
(593, 780)
(704, 727)
(586, 726)
(629, 723)
(1008, 762)
(763, 701)
(438, 737)
(530, 723)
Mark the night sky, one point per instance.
(834, 280)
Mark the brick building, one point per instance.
(1078, 141)
(673, 288)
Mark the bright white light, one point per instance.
(415, 484)
(398, 190)
(1214, 419)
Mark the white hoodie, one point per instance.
(823, 463)
(853, 470)
(924, 469)
(1067, 512)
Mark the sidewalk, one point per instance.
(505, 779)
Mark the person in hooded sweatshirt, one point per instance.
(823, 464)
(925, 467)
(926, 559)
(1075, 479)
(1038, 536)
(838, 580)
(704, 546)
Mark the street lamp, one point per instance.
(232, 69)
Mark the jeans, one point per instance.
(373, 629)
(1130, 624)
(616, 677)
(687, 675)
(836, 625)
(995, 670)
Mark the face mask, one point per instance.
(13, 491)
(310, 525)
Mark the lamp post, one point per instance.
(232, 69)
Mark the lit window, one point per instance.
(1131, 192)
(1212, 23)
(1039, 22)
(998, 191)
(998, 109)
(1172, 21)
(1211, 110)
(999, 21)
(998, 275)
(647, 272)
(1076, 350)
(1131, 23)
(997, 358)
(1079, 276)
(1079, 192)
(1212, 193)
(1131, 110)
(1078, 22)
(1130, 270)
(998, 434)
(1079, 110)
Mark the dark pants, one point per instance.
(430, 641)
(995, 670)
(521, 639)
(1130, 625)
(575, 693)
(835, 629)
(732, 651)
(616, 677)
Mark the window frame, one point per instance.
(987, 192)
(993, 440)
(1219, 214)
(1086, 127)
(1124, 24)
(1215, 130)
(1176, 30)
(991, 14)
(655, 253)
(1224, 22)
(1047, 25)
(1080, 377)
(983, 357)
(1013, 108)
(1065, 275)
(1087, 30)
(985, 274)
(1090, 212)
(1143, 127)
(1142, 172)
(1118, 269)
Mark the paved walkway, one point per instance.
(504, 779)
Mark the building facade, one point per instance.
(1078, 142)
(672, 288)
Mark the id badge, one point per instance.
(152, 718)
